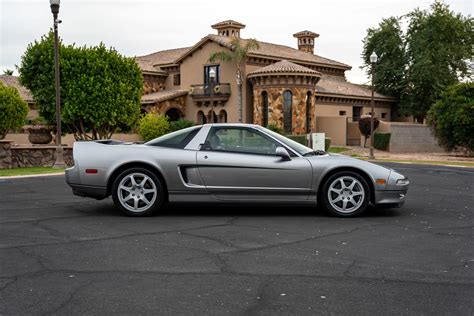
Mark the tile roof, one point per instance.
(147, 65)
(306, 33)
(163, 57)
(269, 50)
(161, 96)
(338, 85)
(228, 23)
(12, 81)
(275, 51)
(284, 66)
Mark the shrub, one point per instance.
(327, 143)
(274, 128)
(152, 126)
(382, 140)
(452, 117)
(13, 110)
(180, 124)
(364, 127)
(299, 139)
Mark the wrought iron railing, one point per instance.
(210, 90)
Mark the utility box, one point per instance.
(316, 140)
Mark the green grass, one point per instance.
(429, 162)
(28, 171)
(337, 150)
(422, 162)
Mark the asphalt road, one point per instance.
(67, 255)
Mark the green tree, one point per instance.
(452, 117)
(237, 55)
(387, 42)
(13, 110)
(8, 72)
(418, 65)
(439, 44)
(100, 89)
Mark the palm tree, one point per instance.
(238, 55)
(8, 72)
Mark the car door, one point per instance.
(239, 163)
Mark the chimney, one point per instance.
(306, 41)
(229, 28)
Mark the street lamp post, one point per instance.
(212, 77)
(59, 163)
(373, 60)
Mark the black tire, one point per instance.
(355, 203)
(142, 194)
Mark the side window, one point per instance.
(240, 140)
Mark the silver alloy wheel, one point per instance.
(346, 194)
(137, 192)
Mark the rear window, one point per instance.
(178, 139)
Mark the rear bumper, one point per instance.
(73, 179)
(97, 193)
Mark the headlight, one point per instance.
(403, 181)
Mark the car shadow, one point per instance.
(107, 208)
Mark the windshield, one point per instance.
(178, 139)
(300, 149)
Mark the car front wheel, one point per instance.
(346, 194)
(138, 192)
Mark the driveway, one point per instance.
(61, 254)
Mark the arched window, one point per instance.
(287, 111)
(264, 108)
(308, 112)
(222, 116)
(212, 117)
(174, 114)
(201, 118)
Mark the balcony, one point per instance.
(205, 94)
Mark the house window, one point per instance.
(264, 108)
(308, 112)
(177, 79)
(287, 111)
(384, 115)
(222, 116)
(342, 113)
(201, 118)
(356, 110)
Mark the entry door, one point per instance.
(240, 163)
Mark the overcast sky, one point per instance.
(138, 27)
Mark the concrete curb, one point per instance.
(32, 175)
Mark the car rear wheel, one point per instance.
(138, 192)
(346, 194)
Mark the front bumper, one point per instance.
(390, 198)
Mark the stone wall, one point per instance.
(30, 156)
(275, 107)
(5, 154)
(161, 107)
(412, 138)
(153, 83)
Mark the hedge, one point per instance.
(382, 141)
(302, 140)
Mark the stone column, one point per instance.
(5, 154)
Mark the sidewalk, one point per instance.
(435, 158)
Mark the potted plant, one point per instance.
(39, 131)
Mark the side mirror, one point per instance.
(283, 153)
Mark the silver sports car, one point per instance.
(228, 163)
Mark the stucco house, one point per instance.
(294, 88)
